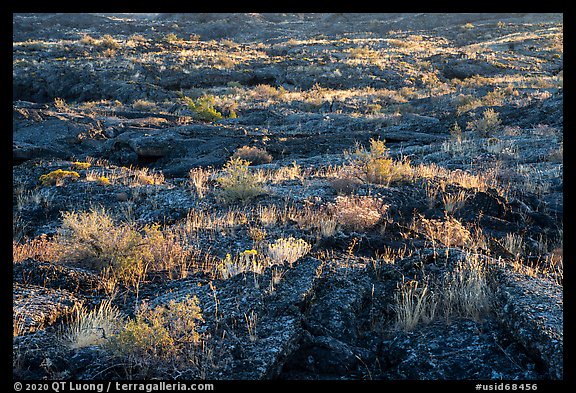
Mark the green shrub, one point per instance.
(237, 183)
(378, 168)
(81, 165)
(203, 108)
(93, 239)
(160, 340)
(172, 38)
(58, 177)
(487, 125)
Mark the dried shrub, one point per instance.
(143, 105)
(414, 304)
(357, 213)
(253, 154)
(40, 248)
(448, 231)
(267, 92)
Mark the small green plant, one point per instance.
(58, 177)
(237, 183)
(487, 125)
(203, 108)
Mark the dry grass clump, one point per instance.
(465, 292)
(246, 261)
(448, 231)
(357, 213)
(144, 105)
(40, 248)
(267, 92)
(94, 327)
(287, 250)
(415, 304)
(481, 181)
(253, 154)
(203, 108)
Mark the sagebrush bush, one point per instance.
(58, 177)
(378, 168)
(161, 339)
(487, 125)
(203, 108)
(357, 213)
(93, 240)
(108, 42)
(122, 251)
(237, 183)
(253, 154)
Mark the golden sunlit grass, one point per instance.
(94, 327)
(465, 292)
